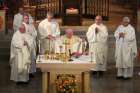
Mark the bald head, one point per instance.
(69, 32)
(98, 19)
(22, 28)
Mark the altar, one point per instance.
(65, 77)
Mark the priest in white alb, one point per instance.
(97, 36)
(20, 55)
(126, 49)
(18, 18)
(30, 29)
(49, 31)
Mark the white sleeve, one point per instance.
(29, 40)
(116, 34)
(16, 41)
(31, 20)
(15, 25)
(91, 37)
(57, 32)
(42, 33)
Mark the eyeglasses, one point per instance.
(26, 18)
(97, 19)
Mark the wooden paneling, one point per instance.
(96, 7)
(87, 8)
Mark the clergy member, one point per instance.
(30, 29)
(126, 49)
(20, 56)
(18, 18)
(97, 36)
(73, 43)
(49, 31)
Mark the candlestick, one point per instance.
(49, 46)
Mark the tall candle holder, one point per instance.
(60, 53)
(49, 47)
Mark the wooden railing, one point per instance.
(96, 7)
(88, 8)
(42, 6)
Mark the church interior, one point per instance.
(78, 15)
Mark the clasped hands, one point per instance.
(96, 30)
(25, 42)
(121, 35)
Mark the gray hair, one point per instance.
(126, 19)
(69, 30)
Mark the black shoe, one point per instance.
(100, 73)
(25, 83)
(126, 78)
(119, 77)
(31, 75)
(94, 72)
(22, 83)
(19, 83)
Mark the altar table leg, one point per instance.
(87, 84)
(45, 82)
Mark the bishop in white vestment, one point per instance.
(20, 55)
(49, 31)
(97, 36)
(126, 49)
(74, 44)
